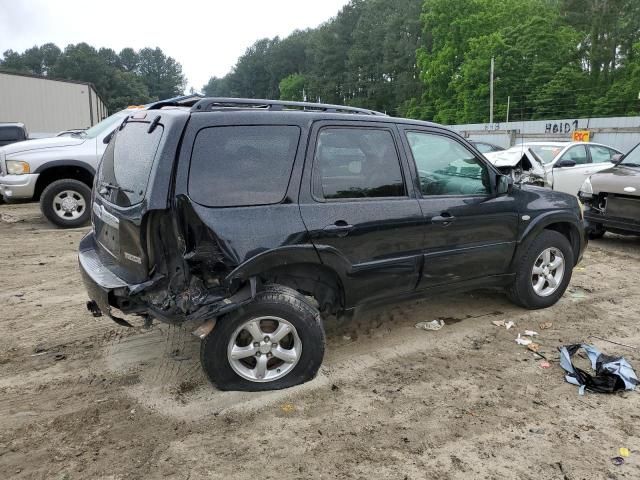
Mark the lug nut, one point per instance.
(256, 344)
(266, 339)
(269, 355)
(258, 354)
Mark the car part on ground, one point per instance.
(262, 214)
(612, 198)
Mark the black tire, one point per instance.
(49, 208)
(597, 232)
(521, 292)
(274, 300)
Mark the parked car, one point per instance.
(12, 133)
(485, 147)
(58, 171)
(612, 197)
(562, 166)
(251, 217)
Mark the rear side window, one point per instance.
(357, 163)
(242, 165)
(126, 164)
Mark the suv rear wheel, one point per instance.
(274, 342)
(66, 203)
(543, 272)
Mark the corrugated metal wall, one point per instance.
(48, 106)
(620, 132)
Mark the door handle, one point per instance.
(338, 229)
(445, 219)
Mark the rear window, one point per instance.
(242, 165)
(126, 164)
(11, 133)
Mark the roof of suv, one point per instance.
(314, 110)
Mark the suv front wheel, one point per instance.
(66, 203)
(543, 272)
(274, 342)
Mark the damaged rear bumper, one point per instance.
(107, 291)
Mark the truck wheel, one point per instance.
(543, 272)
(274, 342)
(66, 203)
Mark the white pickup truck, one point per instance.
(58, 171)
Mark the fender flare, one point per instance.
(541, 222)
(65, 163)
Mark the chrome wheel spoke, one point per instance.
(280, 332)
(539, 284)
(557, 262)
(546, 257)
(552, 281)
(288, 356)
(547, 272)
(254, 330)
(261, 367)
(237, 352)
(537, 270)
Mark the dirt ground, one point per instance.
(82, 398)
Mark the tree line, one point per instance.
(430, 59)
(129, 77)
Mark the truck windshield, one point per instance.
(107, 124)
(126, 164)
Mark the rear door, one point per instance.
(359, 209)
(468, 231)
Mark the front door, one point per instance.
(361, 213)
(570, 179)
(469, 232)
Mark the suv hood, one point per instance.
(620, 180)
(42, 143)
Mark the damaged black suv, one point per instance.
(250, 218)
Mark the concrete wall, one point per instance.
(48, 106)
(619, 132)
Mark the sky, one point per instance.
(206, 37)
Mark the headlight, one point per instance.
(17, 167)
(586, 190)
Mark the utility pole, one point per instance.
(508, 105)
(491, 93)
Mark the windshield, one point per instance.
(546, 152)
(106, 125)
(632, 159)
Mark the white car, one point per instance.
(562, 166)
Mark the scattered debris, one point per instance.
(545, 325)
(432, 325)
(7, 218)
(502, 323)
(611, 373)
(545, 364)
(617, 461)
(498, 323)
(346, 338)
(530, 333)
(624, 452)
(523, 341)
(288, 407)
(534, 347)
(509, 324)
(59, 356)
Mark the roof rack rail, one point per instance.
(220, 103)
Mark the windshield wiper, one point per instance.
(111, 186)
(629, 164)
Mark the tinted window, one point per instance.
(578, 154)
(242, 165)
(357, 163)
(601, 154)
(11, 134)
(484, 147)
(126, 164)
(446, 167)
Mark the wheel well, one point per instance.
(59, 173)
(314, 280)
(570, 234)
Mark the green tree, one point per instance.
(292, 87)
(162, 74)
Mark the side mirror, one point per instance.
(504, 184)
(564, 164)
(108, 137)
(616, 158)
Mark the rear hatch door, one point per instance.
(120, 199)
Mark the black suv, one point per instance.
(251, 217)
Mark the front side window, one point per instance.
(578, 154)
(601, 154)
(446, 167)
(357, 163)
(126, 164)
(242, 165)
